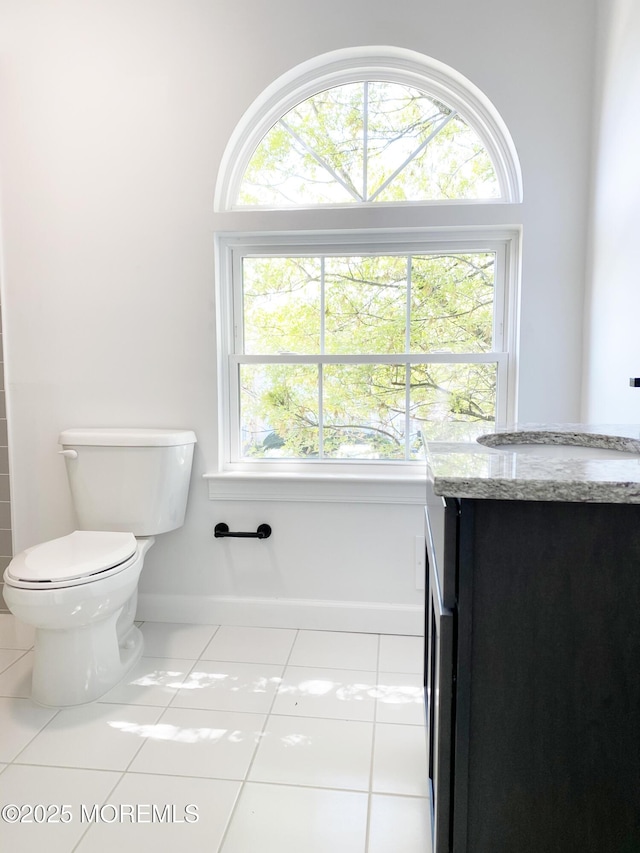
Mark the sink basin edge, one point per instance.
(617, 443)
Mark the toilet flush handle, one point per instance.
(70, 454)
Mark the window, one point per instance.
(345, 347)
(341, 346)
(368, 142)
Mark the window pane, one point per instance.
(365, 305)
(281, 305)
(455, 164)
(279, 410)
(400, 120)
(361, 142)
(313, 155)
(451, 393)
(452, 303)
(364, 411)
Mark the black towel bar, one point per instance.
(221, 530)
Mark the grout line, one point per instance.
(82, 769)
(14, 662)
(194, 657)
(194, 663)
(255, 751)
(105, 800)
(162, 709)
(206, 645)
(277, 783)
(143, 740)
(17, 756)
(122, 773)
(366, 670)
(373, 746)
(307, 787)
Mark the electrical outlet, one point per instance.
(420, 562)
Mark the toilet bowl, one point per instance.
(79, 592)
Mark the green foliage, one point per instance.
(279, 405)
(281, 305)
(375, 141)
(373, 305)
(365, 142)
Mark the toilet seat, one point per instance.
(81, 557)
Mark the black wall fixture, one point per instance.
(221, 530)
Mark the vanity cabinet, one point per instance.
(532, 676)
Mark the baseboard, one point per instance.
(359, 616)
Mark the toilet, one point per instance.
(80, 591)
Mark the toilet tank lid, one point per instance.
(126, 437)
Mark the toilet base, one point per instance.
(79, 666)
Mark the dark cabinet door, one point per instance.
(440, 676)
(547, 702)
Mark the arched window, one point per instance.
(341, 347)
(368, 142)
(369, 125)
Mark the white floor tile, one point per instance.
(310, 751)
(16, 679)
(14, 634)
(340, 694)
(336, 650)
(51, 830)
(188, 724)
(9, 656)
(400, 698)
(401, 654)
(250, 645)
(98, 736)
(175, 640)
(152, 681)
(213, 744)
(399, 823)
(20, 721)
(210, 800)
(400, 760)
(282, 819)
(230, 686)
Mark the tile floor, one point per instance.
(276, 740)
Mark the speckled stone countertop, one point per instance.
(458, 465)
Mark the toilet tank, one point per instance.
(133, 480)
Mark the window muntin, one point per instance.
(347, 356)
(363, 142)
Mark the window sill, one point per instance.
(408, 488)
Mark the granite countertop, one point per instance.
(459, 466)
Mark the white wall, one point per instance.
(612, 353)
(115, 114)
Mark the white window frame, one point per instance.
(359, 64)
(232, 248)
(416, 226)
